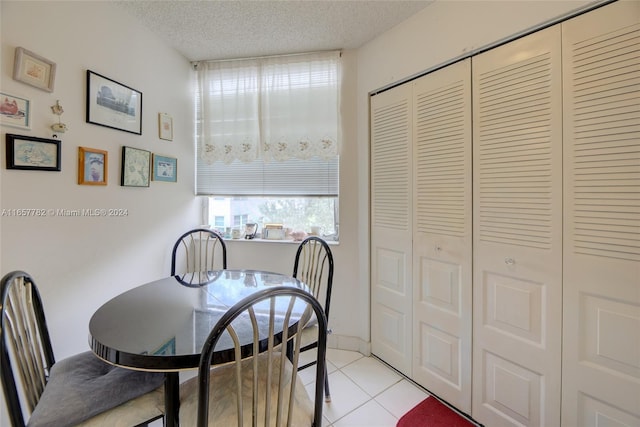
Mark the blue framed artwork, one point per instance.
(165, 168)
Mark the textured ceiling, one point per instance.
(225, 29)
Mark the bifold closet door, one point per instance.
(601, 347)
(442, 233)
(517, 237)
(391, 227)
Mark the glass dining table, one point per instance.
(161, 326)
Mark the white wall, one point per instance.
(81, 262)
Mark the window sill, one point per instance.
(277, 241)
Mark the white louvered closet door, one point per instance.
(391, 227)
(517, 179)
(601, 366)
(442, 234)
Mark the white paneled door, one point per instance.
(517, 237)
(391, 223)
(442, 234)
(601, 351)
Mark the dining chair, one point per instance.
(79, 390)
(260, 386)
(198, 250)
(314, 267)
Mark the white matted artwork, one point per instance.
(165, 126)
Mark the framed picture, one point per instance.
(165, 126)
(136, 165)
(113, 105)
(92, 166)
(15, 111)
(165, 168)
(31, 153)
(34, 70)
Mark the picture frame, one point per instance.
(93, 166)
(15, 111)
(165, 126)
(165, 168)
(136, 164)
(31, 153)
(34, 70)
(112, 104)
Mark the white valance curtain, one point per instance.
(271, 108)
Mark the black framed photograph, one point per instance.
(136, 164)
(31, 153)
(112, 104)
(92, 166)
(165, 168)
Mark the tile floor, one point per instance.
(364, 391)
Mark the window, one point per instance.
(267, 140)
(218, 221)
(296, 213)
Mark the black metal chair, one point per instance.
(314, 267)
(78, 390)
(261, 385)
(198, 250)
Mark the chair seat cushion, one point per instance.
(223, 392)
(83, 386)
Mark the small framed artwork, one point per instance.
(31, 153)
(92, 166)
(165, 126)
(136, 165)
(15, 111)
(113, 105)
(34, 70)
(165, 168)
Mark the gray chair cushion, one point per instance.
(83, 386)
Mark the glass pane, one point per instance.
(308, 214)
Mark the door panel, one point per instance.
(517, 243)
(442, 234)
(601, 344)
(391, 221)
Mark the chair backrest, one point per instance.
(264, 314)
(26, 354)
(314, 266)
(198, 250)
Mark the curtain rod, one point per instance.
(195, 63)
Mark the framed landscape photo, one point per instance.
(113, 105)
(165, 168)
(136, 165)
(92, 166)
(31, 153)
(34, 70)
(15, 111)
(165, 126)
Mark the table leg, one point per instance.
(172, 399)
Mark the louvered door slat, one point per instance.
(390, 155)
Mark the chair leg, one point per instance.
(327, 394)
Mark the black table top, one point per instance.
(162, 325)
